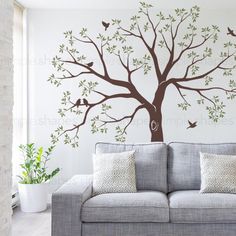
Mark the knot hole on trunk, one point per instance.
(154, 125)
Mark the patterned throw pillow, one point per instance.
(218, 173)
(114, 173)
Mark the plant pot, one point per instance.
(33, 197)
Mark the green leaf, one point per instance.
(184, 106)
(116, 21)
(83, 32)
(39, 154)
(34, 165)
(216, 111)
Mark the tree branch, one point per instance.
(73, 76)
(97, 74)
(121, 61)
(90, 106)
(114, 120)
(132, 117)
(169, 64)
(190, 47)
(185, 100)
(128, 85)
(201, 90)
(164, 39)
(150, 50)
(106, 76)
(128, 32)
(154, 28)
(193, 63)
(180, 22)
(204, 89)
(210, 100)
(127, 67)
(100, 56)
(185, 79)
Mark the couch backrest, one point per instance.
(184, 163)
(151, 163)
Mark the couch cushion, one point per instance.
(114, 173)
(193, 207)
(142, 206)
(184, 163)
(218, 173)
(150, 163)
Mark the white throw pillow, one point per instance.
(218, 173)
(114, 173)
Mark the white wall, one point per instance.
(6, 103)
(45, 34)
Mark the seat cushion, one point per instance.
(193, 207)
(184, 160)
(142, 206)
(150, 163)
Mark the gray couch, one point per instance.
(167, 203)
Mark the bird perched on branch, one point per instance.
(192, 125)
(106, 25)
(85, 102)
(231, 32)
(78, 102)
(90, 64)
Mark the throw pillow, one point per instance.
(114, 173)
(218, 173)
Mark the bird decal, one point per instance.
(90, 64)
(106, 25)
(231, 32)
(85, 102)
(78, 102)
(192, 125)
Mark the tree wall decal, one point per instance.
(177, 34)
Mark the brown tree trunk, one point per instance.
(155, 125)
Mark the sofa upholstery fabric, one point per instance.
(143, 206)
(150, 163)
(184, 163)
(193, 207)
(149, 212)
(66, 205)
(157, 229)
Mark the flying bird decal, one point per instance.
(192, 125)
(106, 25)
(231, 32)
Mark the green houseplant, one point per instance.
(34, 177)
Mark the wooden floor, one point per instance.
(31, 224)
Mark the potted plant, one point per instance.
(34, 178)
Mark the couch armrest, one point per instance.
(66, 205)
